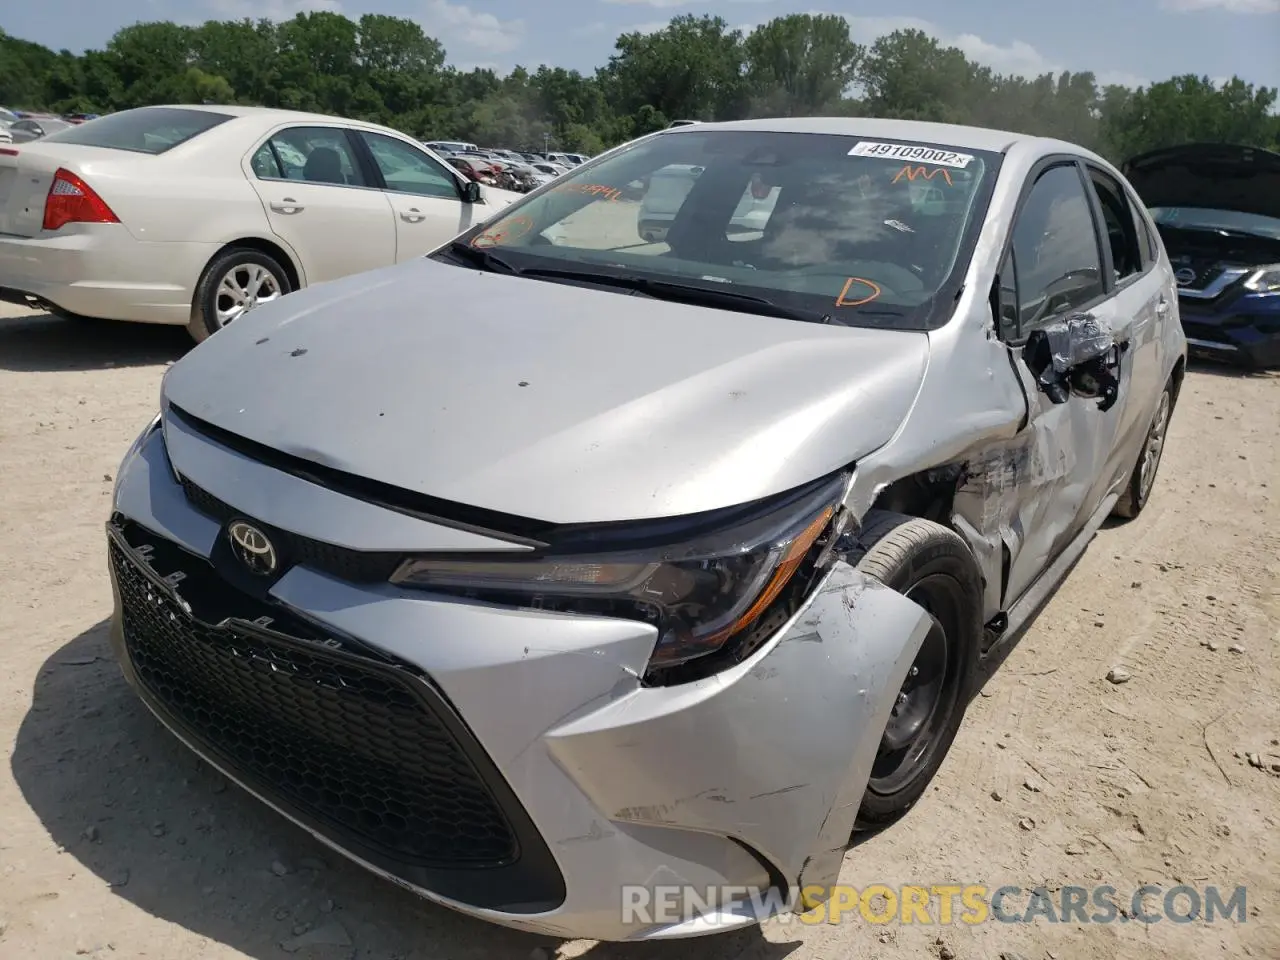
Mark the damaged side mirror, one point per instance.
(1076, 355)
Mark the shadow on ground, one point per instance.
(41, 342)
(173, 838)
(1217, 368)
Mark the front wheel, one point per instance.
(931, 565)
(234, 282)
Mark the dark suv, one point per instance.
(1217, 207)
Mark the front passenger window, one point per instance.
(1056, 249)
(406, 170)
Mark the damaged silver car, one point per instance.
(564, 567)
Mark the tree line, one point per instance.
(387, 70)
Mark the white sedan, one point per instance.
(191, 215)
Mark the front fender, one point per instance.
(802, 721)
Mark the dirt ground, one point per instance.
(114, 841)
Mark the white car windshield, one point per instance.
(861, 231)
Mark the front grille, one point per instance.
(354, 566)
(351, 742)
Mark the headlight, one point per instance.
(701, 589)
(138, 442)
(1265, 279)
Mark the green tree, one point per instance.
(800, 65)
(908, 74)
(1189, 108)
(386, 69)
(691, 69)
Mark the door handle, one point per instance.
(412, 215)
(1162, 305)
(287, 205)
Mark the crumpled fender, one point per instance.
(804, 718)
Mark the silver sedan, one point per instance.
(602, 587)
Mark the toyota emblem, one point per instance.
(252, 548)
(1184, 276)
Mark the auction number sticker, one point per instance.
(902, 151)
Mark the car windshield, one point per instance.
(1204, 218)
(144, 130)
(851, 230)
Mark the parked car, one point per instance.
(444, 147)
(546, 565)
(34, 128)
(191, 215)
(1217, 207)
(552, 170)
(474, 168)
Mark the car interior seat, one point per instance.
(324, 165)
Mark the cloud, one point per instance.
(660, 4)
(277, 10)
(1228, 6)
(1017, 58)
(457, 25)
(653, 26)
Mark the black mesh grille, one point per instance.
(354, 566)
(348, 740)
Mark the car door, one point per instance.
(423, 192)
(1054, 272)
(321, 200)
(1142, 298)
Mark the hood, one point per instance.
(1212, 175)
(548, 401)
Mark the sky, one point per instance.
(1122, 41)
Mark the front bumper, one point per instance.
(1243, 329)
(101, 271)
(564, 779)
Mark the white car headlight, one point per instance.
(1265, 279)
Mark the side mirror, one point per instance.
(471, 192)
(1075, 355)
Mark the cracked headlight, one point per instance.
(706, 583)
(1265, 279)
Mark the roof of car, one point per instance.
(972, 138)
(267, 114)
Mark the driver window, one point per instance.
(1056, 249)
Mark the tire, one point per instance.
(1143, 479)
(236, 280)
(934, 566)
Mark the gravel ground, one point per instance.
(115, 841)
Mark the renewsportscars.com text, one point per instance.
(945, 904)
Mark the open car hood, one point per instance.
(549, 401)
(1219, 176)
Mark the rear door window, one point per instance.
(314, 154)
(152, 130)
(1122, 231)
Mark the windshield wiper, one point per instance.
(480, 258)
(684, 293)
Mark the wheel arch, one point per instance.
(271, 248)
(1175, 378)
